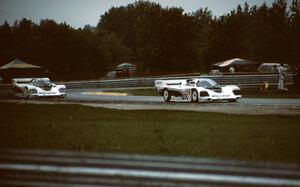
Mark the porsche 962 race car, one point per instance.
(37, 87)
(196, 90)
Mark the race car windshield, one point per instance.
(42, 83)
(207, 84)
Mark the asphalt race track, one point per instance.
(96, 98)
(83, 95)
(242, 106)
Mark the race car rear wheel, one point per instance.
(194, 96)
(26, 93)
(166, 95)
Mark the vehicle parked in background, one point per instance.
(125, 70)
(215, 72)
(196, 90)
(37, 87)
(272, 68)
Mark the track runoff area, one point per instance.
(57, 168)
(61, 168)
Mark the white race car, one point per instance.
(196, 90)
(37, 87)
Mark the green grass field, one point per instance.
(213, 135)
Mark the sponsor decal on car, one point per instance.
(220, 95)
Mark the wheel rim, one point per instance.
(166, 95)
(195, 96)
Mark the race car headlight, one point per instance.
(62, 90)
(236, 92)
(204, 94)
(33, 91)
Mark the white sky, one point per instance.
(78, 13)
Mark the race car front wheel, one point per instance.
(194, 96)
(166, 95)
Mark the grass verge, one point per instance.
(79, 128)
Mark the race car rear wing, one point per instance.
(165, 83)
(21, 81)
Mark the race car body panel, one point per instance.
(196, 90)
(37, 87)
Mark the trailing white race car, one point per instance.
(196, 90)
(37, 87)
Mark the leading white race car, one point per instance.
(196, 90)
(37, 87)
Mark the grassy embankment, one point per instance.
(79, 128)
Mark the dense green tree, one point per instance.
(160, 39)
(202, 44)
(294, 33)
(65, 52)
(6, 47)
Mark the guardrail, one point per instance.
(5, 86)
(60, 168)
(244, 81)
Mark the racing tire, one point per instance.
(166, 96)
(231, 100)
(16, 93)
(26, 93)
(195, 97)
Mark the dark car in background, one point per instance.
(122, 70)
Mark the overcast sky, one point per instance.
(78, 13)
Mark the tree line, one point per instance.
(158, 40)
